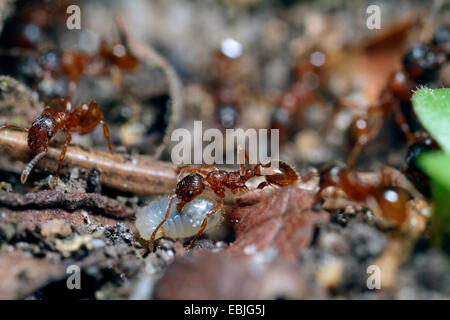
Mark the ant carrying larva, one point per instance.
(179, 225)
(209, 177)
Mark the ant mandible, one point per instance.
(59, 116)
(193, 184)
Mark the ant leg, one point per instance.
(364, 140)
(72, 89)
(403, 124)
(11, 126)
(264, 184)
(116, 76)
(99, 114)
(152, 238)
(242, 189)
(209, 166)
(309, 176)
(106, 133)
(205, 221)
(246, 159)
(61, 157)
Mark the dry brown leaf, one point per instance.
(282, 218)
(21, 275)
(31, 218)
(222, 276)
(382, 54)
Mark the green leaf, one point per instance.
(437, 166)
(432, 106)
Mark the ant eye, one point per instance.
(190, 193)
(50, 134)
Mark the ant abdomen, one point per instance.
(283, 176)
(392, 202)
(180, 224)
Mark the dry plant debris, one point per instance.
(281, 218)
(52, 199)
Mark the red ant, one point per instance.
(390, 200)
(419, 65)
(228, 86)
(193, 184)
(303, 92)
(59, 116)
(74, 64)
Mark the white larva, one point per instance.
(178, 225)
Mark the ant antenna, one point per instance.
(30, 165)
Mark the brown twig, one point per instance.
(46, 199)
(137, 175)
(148, 56)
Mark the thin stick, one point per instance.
(147, 55)
(132, 174)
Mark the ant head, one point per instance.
(420, 60)
(41, 132)
(189, 187)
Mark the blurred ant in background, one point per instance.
(420, 66)
(73, 65)
(228, 82)
(32, 49)
(302, 93)
(383, 197)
